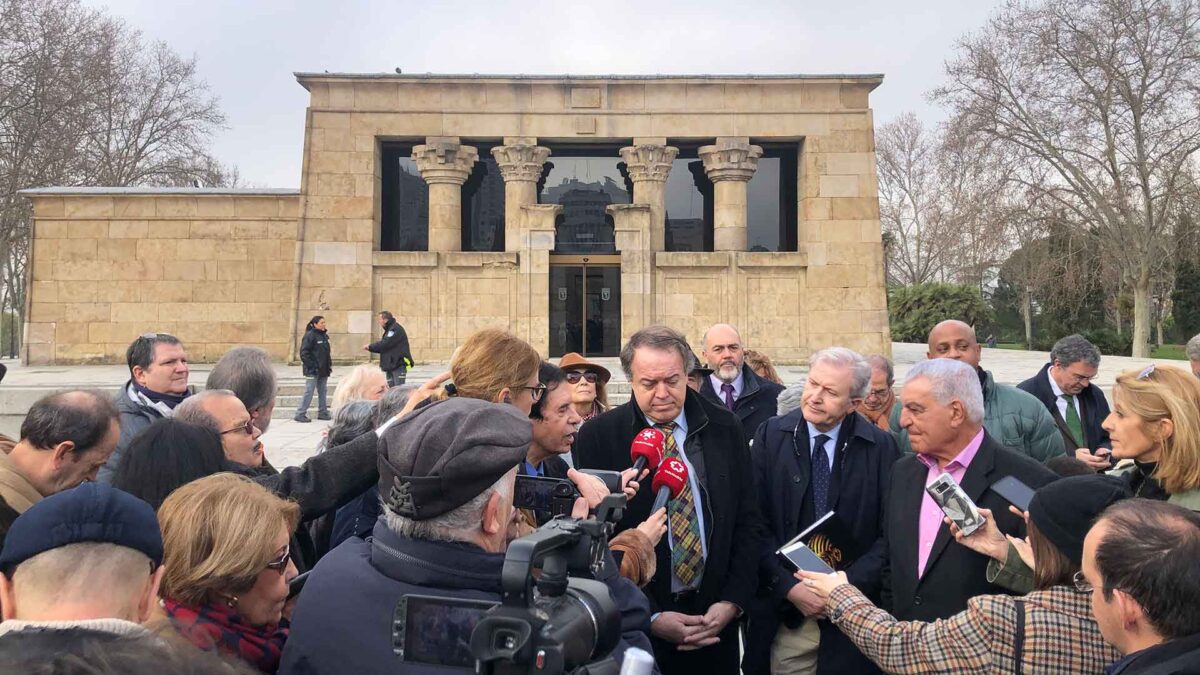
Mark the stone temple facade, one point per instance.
(569, 210)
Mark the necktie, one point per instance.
(820, 475)
(687, 555)
(1074, 425)
(727, 391)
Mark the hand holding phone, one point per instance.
(955, 503)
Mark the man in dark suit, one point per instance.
(821, 457)
(1064, 386)
(707, 563)
(929, 575)
(733, 383)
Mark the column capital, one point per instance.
(444, 160)
(648, 161)
(730, 159)
(521, 161)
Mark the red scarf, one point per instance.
(219, 627)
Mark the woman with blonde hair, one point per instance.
(1155, 430)
(761, 364)
(225, 556)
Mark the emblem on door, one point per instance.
(605, 294)
(562, 294)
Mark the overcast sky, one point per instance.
(247, 51)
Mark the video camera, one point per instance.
(559, 621)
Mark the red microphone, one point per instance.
(669, 481)
(647, 449)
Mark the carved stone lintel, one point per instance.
(648, 162)
(730, 159)
(444, 161)
(521, 162)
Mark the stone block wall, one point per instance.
(215, 268)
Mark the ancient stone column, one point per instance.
(521, 161)
(445, 164)
(730, 164)
(649, 164)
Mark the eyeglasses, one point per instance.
(1145, 374)
(574, 378)
(280, 564)
(248, 428)
(1081, 583)
(878, 393)
(536, 392)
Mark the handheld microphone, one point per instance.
(669, 481)
(647, 449)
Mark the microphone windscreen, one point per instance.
(648, 444)
(671, 474)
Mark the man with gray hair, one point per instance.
(248, 373)
(447, 474)
(1193, 353)
(1065, 387)
(708, 562)
(806, 463)
(930, 576)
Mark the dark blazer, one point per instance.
(717, 449)
(861, 477)
(757, 404)
(954, 573)
(1093, 408)
(392, 347)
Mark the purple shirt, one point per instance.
(931, 513)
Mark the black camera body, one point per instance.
(559, 621)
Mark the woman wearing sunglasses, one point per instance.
(1155, 430)
(1051, 630)
(588, 382)
(225, 556)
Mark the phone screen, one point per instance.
(550, 495)
(438, 630)
(1014, 492)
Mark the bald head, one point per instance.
(724, 351)
(953, 339)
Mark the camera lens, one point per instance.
(584, 620)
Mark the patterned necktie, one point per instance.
(727, 390)
(820, 475)
(687, 555)
(1074, 425)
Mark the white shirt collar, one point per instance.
(1058, 392)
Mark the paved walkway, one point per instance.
(289, 442)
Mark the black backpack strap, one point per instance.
(1019, 641)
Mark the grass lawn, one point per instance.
(1010, 345)
(1169, 352)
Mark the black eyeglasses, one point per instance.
(575, 377)
(280, 564)
(248, 428)
(536, 392)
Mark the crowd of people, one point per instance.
(150, 532)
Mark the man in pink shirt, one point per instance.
(930, 575)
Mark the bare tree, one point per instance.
(85, 100)
(1106, 94)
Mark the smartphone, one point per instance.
(800, 557)
(1014, 491)
(436, 631)
(297, 584)
(555, 496)
(955, 503)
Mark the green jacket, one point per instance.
(1014, 418)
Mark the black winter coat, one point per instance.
(315, 354)
(392, 348)
(717, 449)
(757, 404)
(343, 620)
(1093, 410)
(1180, 656)
(858, 492)
(954, 573)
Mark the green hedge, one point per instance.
(914, 310)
